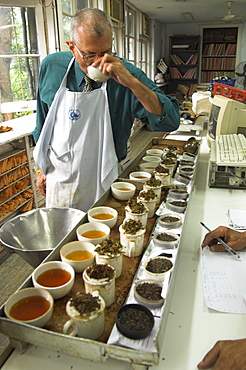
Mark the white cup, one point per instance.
(87, 326)
(133, 243)
(105, 286)
(116, 262)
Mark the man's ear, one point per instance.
(70, 44)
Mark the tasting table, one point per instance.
(192, 329)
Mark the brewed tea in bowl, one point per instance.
(78, 254)
(56, 277)
(32, 306)
(103, 214)
(93, 232)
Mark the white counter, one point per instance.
(191, 329)
(22, 126)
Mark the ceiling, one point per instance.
(172, 11)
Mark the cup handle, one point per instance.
(95, 293)
(70, 324)
(131, 249)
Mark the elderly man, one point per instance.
(82, 130)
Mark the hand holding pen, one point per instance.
(222, 235)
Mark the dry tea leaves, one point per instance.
(85, 303)
(135, 320)
(149, 291)
(159, 265)
(169, 219)
(165, 237)
(110, 248)
(100, 271)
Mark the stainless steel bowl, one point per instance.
(34, 234)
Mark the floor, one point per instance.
(14, 270)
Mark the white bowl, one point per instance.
(178, 193)
(147, 167)
(56, 291)
(84, 254)
(170, 240)
(96, 75)
(147, 302)
(186, 170)
(26, 294)
(159, 276)
(154, 152)
(170, 220)
(152, 159)
(123, 190)
(98, 232)
(176, 205)
(184, 179)
(140, 178)
(106, 215)
(189, 156)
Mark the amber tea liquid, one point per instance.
(93, 234)
(54, 277)
(29, 308)
(79, 255)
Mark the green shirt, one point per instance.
(123, 105)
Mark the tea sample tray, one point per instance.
(52, 336)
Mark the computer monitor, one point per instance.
(226, 116)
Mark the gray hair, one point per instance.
(95, 22)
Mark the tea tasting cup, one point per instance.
(176, 205)
(123, 190)
(139, 178)
(157, 268)
(78, 254)
(93, 232)
(132, 241)
(110, 252)
(103, 214)
(170, 220)
(149, 198)
(96, 75)
(32, 306)
(138, 211)
(154, 152)
(165, 239)
(152, 159)
(155, 185)
(57, 277)
(100, 279)
(82, 323)
(185, 162)
(163, 174)
(148, 293)
(147, 167)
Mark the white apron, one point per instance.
(76, 149)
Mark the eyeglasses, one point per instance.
(90, 58)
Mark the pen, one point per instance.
(229, 249)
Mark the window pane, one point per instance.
(131, 48)
(66, 6)
(18, 72)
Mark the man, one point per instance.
(226, 354)
(85, 133)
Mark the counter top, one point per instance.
(22, 126)
(192, 329)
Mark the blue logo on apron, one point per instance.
(74, 114)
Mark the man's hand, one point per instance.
(235, 239)
(226, 355)
(41, 183)
(113, 67)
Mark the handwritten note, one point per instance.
(224, 278)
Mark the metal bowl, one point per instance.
(34, 234)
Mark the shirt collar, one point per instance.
(78, 73)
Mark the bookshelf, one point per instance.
(219, 49)
(184, 61)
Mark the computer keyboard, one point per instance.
(231, 150)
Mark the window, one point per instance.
(130, 24)
(143, 55)
(19, 54)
